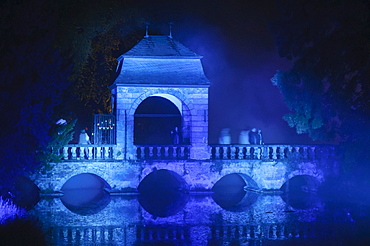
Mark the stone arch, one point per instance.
(185, 107)
(85, 194)
(309, 169)
(85, 181)
(100, 174)
(161, 92)
(301, 183)
(300, 192)
(169, 186)
(154, 120)
(163, 181)
(238, 181)
(235, 191)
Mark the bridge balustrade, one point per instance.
(89, 152)
(270, 152)
(217, 152)
(163, 152)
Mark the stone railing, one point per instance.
(89, 152)
(163, 152)
(271, 152)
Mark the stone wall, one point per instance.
(199, 175)
(193, 108)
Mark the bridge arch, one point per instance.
(99, 175)
(236, 181)
(301, 183)
(169, 186)
(300, 192)
(162, 181)
(85, 194)
(235, 191)
(85, 181)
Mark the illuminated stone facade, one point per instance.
(161, 66)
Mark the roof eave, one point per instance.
(159, 57)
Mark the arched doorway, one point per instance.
(154, 119)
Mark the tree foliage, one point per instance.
(328, 88)
(32, 76)
(93, 37)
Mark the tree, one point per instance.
(93, 37)
(32, 76)
(327, 89)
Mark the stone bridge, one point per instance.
(259, 167)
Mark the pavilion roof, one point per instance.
(160, 46)
(161, 61)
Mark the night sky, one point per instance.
(239, 58)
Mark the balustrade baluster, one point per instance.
(258, 152)
(274, 152)
(89, 152)
(159, 152)
(151, 151)
(65, 153)
(289, 151)
(114, 152)
(305, 154)
(281, 152)
(82, 152)
(224, 156)
(142, 152)
(174, 153)
(217, 152)
(106, 152)
(265, 152)
(166, 153)
(248, 153)
(297, 151)
(232, 152)
(182, 152)
(312, 152)
(240, 153)
(74, 152)
(99, 152)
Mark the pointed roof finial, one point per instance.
(146, 29)
(170, 23)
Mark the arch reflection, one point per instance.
(163, 193)
(85, 194)
(300, 192)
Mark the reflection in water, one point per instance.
(199, 220)
(85, 201)
(163, 204)
(300, 192)
(235, 200)
(162, 193)
(302, 199)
